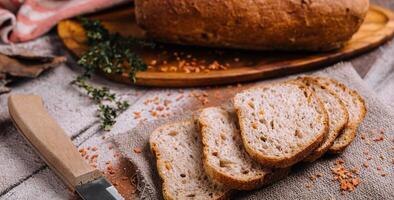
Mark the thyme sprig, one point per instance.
(109, 107)
(109, 53)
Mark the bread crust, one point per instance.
(320, 152)
(159, 164)
(287, 161)
(253, 24)
(349, 133)
(236, 182)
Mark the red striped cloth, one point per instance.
(23, 20)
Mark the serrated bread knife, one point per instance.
(57, 150)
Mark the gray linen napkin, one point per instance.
(381, 76)
(372, 186)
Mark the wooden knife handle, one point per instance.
(49, 139)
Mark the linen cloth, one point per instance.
(381, 76)
(23, 20)
(373, 185)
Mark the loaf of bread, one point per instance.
(258, 24)
(224, 157)
(281, 124)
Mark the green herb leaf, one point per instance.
(109, 53)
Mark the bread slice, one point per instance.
(224, 157)
(281, 124)
(337, 114)
(177, 148)
(357, 111)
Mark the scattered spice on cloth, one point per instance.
(346, 178)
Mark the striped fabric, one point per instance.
(23, 20)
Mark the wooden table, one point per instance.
(25, 176)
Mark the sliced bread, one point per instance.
(224, 157)
(337, 114)
(281, 124)
(178, 152)
(357, 111)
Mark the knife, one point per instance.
(56, 149)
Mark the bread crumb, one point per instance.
(137, 150)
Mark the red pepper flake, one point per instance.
(153, 113)
(87, 157)
(137, 150)
(159, 108)
(137, 115)
(347, 181)
(94, 156)
(94, 148)
(369, 158)
(83, 152)
(382, 131)
(379, 168)
(378, 139)
(339, 161)
(88, 148)
(383, 174)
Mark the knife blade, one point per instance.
(56, 149)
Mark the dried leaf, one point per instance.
(3, 83)
(11, 68)
(26, 68)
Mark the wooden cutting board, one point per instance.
(170, 65)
